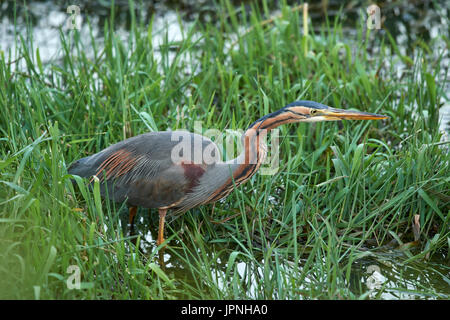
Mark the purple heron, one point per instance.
(141, 170)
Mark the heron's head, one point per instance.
(310, 111)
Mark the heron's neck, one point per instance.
(252, 156)
(273, 120)
(255, 148)
(254, 145)
(234, 172)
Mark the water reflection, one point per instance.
(387, 278)
(444, 120)
(382, 275)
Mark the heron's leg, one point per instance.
(162, 219)
(132, 214)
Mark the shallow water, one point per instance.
(388, 278)
(382, 274)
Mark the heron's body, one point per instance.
(148, 177)
(179, 170)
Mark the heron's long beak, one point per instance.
(340, 114)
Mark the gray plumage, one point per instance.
(150, 178)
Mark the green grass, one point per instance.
(344, 197)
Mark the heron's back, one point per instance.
(153, 170)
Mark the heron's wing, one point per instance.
(141, 180)
(143, 171)
(117, 163)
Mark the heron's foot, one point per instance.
(131, 215)
(160, 242)
(162, 262)
(162, 219)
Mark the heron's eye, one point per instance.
(313, 112)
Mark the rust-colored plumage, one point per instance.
(149, 171)
(115, 165)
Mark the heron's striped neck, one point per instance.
(244, 166)
(254, 151)
(255, 148)
(275, 119)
